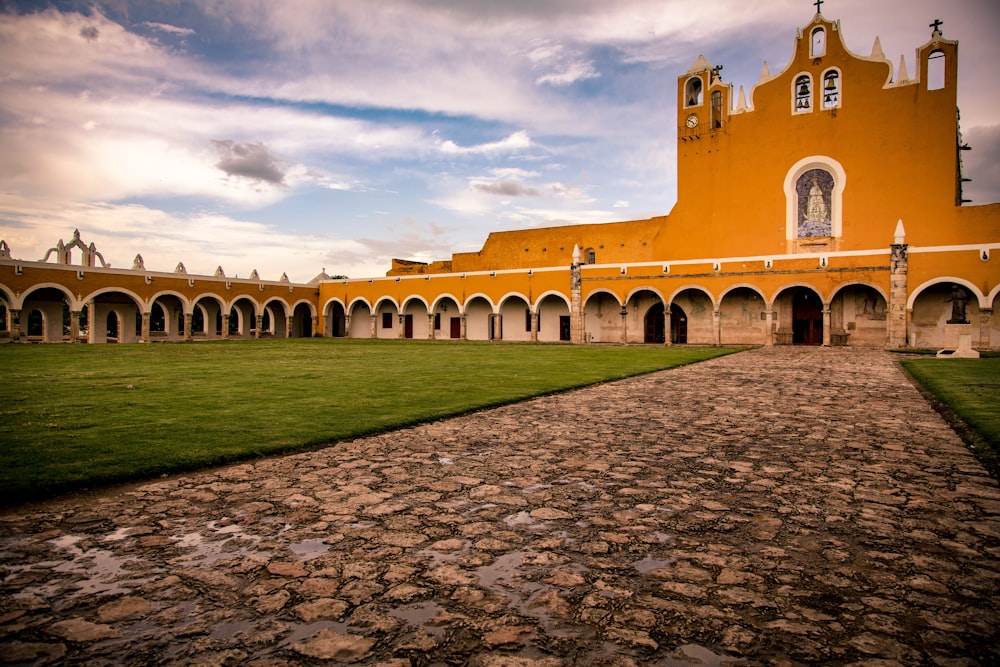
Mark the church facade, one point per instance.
(823, 208)
(826, 211)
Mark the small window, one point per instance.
(716, 110)
(386, 320)
(935, 70)
(692, 92)
(803, 94)
(831, 89)
(818, 47)
(590, 257)
(437, 321)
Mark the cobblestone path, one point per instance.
(779, 506)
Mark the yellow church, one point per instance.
(824, 207)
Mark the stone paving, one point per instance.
(780, 506)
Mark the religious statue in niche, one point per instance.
(958, 300)
(814, 189)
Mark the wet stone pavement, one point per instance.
(779, 506)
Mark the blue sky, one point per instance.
(337, 134)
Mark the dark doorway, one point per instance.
(655, 325)
(408, 326)
(456, 327)
(112, 324)
(564, 330)
(678, 325)
(807, 318)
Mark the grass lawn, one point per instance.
(971, 389)
(82, 416)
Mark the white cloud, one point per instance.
(515, 142)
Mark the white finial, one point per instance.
(741, 101)
(765, 73)
(576, 253)
(877, 51)
(903, 76)
(899, 236)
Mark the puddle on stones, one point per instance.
(85, 572)
(692, 654)
(309, 549)
(648, 564)
(419, 615)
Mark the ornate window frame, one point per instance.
(797, 81)
(824, 162)
(840, 89)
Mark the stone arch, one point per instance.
(362, 319)
(303, 319)
(206, 316)
(242, 318)
(602, 317)
(552, 314)
(274, 318)
(743, 316)
(447, 317)
(692, 316)
(641, 325)
(386, 313)
(415, 315)
(335, 319)
(931, 309)
(43, 310)
(113, 315)
(513, 319)
(859, 315)
(478, 311)
(798, 313)
(166, 315)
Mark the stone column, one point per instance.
(575, 302)
(430, 326)
(315, 326)
(624, 334)
(74, 326)
(15, 325)
(769, 325)
(535, 316)
(463, 328)
(667, 333)
(896, 315)
(92, 323)
(402, 329)
(260, 325)
(717, 325)
(826, 326)
(985, 316)
(144, 337)
(374, 327)
(347, 326)
(225, 326)
(188, 319)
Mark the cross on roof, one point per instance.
(818, 3)
(715, 72)
(936, 25)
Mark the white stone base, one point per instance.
(961, 335)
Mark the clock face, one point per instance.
(692, 120)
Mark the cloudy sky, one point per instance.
(337, 134)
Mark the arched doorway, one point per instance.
(678, 325)
(655, 324)
(807, 318)
(111, 330)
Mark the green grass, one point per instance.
(970, 388)
(84, 416)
